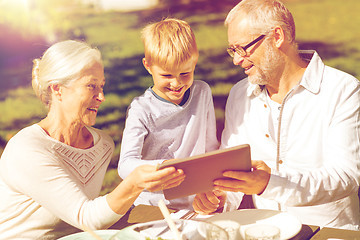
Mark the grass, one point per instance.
(328, 26)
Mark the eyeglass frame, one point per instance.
(242, 50)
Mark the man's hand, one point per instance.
(209, 202)
(253, 182)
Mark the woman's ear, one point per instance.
(279, 36)
(56, 91)
(146, 65)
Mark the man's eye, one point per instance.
(92, 86)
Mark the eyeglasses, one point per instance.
(242, 50)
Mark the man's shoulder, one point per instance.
(240, 87)
(341, 76)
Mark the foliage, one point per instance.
(111, 180)
(328, 26)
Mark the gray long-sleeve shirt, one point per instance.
(157, 130)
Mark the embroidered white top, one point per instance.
(314, 152)
(49, 189)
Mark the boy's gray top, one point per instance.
(157, 130)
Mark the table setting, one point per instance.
(152, 222)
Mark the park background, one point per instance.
(29, 27)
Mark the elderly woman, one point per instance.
(51, 172)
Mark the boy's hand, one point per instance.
(209, 202)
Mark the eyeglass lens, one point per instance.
(242, 50)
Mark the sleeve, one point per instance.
(232, 135)
(233, 201)
(339, 175)
(212, 142)
(42, 178)
(135, 132)
(228, 139)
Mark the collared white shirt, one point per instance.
(315, 151)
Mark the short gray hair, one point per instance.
(263, 16)
(62, 63)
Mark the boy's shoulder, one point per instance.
(199, 86)
(144, 100)
(201, 83)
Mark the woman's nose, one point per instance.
(101, 96)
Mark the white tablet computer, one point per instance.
(202, 170)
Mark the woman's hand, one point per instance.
(209, 202)
(143, 177)
(147, 177)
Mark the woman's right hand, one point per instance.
(147, 177)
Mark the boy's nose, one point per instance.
(175, 82)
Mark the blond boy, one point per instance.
(175, 117)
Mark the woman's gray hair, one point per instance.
(263, 15)
(62, 63)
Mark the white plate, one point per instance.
(288, 224)
(194, 230)
(104, 234)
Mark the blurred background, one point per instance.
(29, 27)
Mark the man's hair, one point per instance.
(169, 43)
(263, 15)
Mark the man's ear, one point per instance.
(279, 36)
(56, 91)
(146, 65)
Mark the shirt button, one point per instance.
(267, 135)
(280, 161)
(265, 106)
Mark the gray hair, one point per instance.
(263, 16)
(62, 63)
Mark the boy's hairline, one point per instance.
(163, 65)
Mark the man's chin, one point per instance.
(257, 80)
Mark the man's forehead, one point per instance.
(238, 31)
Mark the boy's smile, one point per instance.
(172, 84)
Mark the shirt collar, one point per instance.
(311, 79)
(313, 74)
(183, 101)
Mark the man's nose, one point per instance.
(237, 59)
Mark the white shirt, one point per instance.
(314, 153)
(157, 130)
(49, 189)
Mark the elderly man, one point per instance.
(301, 119)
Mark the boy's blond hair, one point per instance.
(169, 43)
